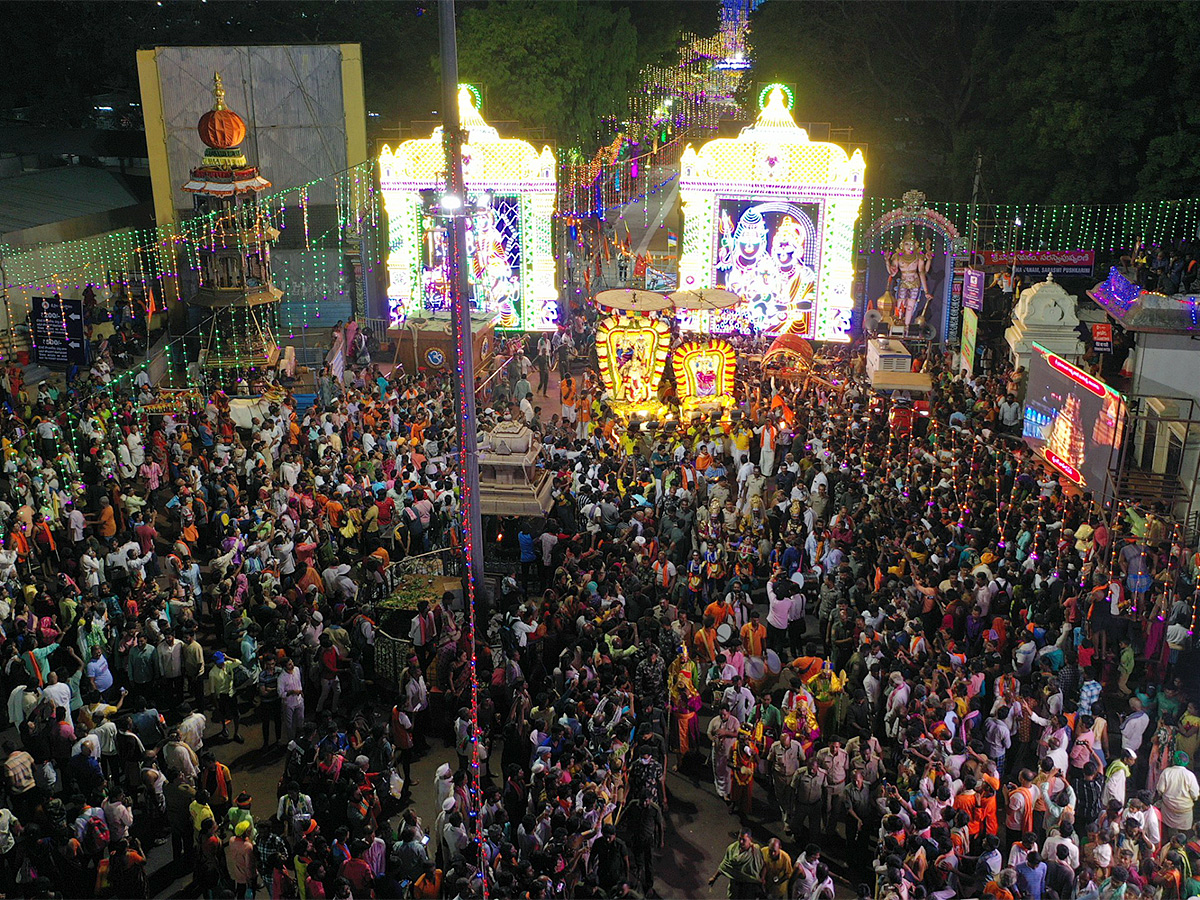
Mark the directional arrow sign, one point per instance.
(57, 328)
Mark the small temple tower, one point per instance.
(236, 304)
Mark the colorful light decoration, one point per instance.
(633, 354)
(765, 93)
(314, 280)
(704, 374)
(513, 260)
(796, 200)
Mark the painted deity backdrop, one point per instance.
(768, 253)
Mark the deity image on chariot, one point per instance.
(632, 370)
(633, 354)
(795, 280)
(704, 373)
(495, 284)
(491, 270)
(706, 377)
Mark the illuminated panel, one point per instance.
(1063, 466)
(1076, 374)
(770, 215)
(509, 242)
(633, 356)
(704, 373)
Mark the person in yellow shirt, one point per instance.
(776, 870)
(200, 811)
(754, 635)
(741, 442)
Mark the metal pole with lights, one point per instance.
(1012, 275)
(455, 207)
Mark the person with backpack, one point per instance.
(91, 828)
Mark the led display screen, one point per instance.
(1073, 419)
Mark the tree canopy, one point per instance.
(561, 64)
(1067, 102)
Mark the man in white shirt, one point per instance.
(523, 627)
(1024, 655)
(60, 693)
(779, 613)
(1116, 777)
(739, 700)
(1179, 789)
(1135, 725)
(76, 523)
(1010, 414)
(291, 692)
(170, 664)
(547, 539)
(191, 730)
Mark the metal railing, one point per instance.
(377, 327)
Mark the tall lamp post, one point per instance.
(455, 206)
(1012, 275)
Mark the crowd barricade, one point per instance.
(391, 658)
(393, 651)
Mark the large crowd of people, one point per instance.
(906, 657)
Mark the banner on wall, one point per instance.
(954, 308)
(970, 333)
(660, 281)
(1045, 262)
(1102, 337)
(973, 282)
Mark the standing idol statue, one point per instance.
(908, 267)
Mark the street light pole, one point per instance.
(1012, 275)
(456, 205)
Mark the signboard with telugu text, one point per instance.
(1102, 337)
(1040, 263)
(57, 329)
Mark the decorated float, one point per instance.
(769, 215)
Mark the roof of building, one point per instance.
(68, 192)
(1141, 310)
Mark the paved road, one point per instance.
(699, 825)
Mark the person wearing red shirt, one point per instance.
(357, 871)
(330, 661)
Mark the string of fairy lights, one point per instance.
(1105, 228)
(152, 261)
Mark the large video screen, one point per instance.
(494, 249)
(1073, 419)
(769, 253)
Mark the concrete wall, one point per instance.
(1170, 360)
(1169, 365)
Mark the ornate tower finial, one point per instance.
(218, 91)
(913, 200)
